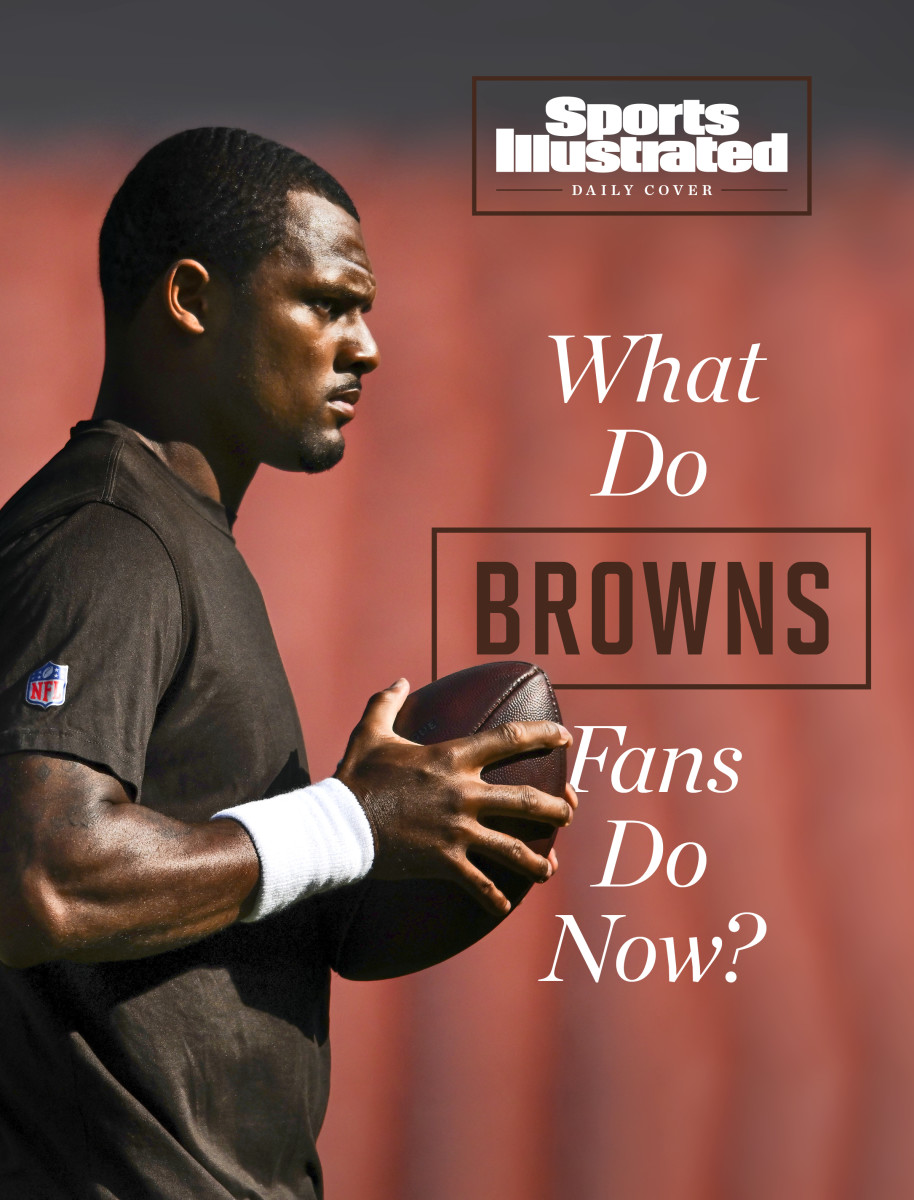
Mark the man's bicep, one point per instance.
(44, 795)
(49, 807)
(90, 636)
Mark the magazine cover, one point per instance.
(642, 418)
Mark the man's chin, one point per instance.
(314, 459)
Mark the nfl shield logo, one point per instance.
(47, 686)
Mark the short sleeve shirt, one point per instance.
(133, 637)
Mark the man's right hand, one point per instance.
(424, 803)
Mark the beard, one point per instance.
(318, 452)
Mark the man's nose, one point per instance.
(360, 349)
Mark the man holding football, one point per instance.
(172, 883)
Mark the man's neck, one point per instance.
(188, 452)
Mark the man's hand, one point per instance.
(425, 803)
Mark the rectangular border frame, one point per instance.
(627, 687)
(714, 212)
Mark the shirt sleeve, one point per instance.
(90, 638)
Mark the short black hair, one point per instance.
(215, 194)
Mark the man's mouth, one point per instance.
(343, 400)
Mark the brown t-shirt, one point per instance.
(203, 1072)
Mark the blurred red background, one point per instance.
(474, 1079)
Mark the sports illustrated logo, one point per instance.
(47, 686)
(645, 146)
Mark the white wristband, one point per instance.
(307, 841)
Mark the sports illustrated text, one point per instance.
(649, 145)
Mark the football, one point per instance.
(480, 698)
(383, 928)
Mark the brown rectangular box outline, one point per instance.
(625, 687)
(716, 212)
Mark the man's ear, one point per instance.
(187, 284)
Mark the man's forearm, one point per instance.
(88, 876)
